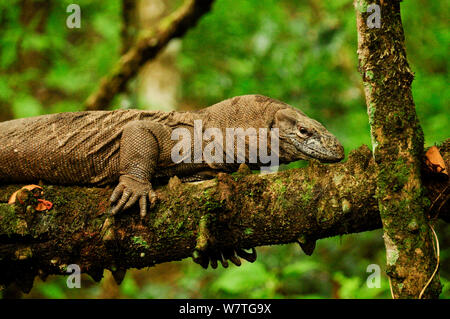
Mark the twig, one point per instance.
(148, 45)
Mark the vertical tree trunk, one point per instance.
(397, 141)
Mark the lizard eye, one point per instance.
(303, 131)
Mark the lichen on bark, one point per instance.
(397, 140)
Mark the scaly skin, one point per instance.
(134, 147)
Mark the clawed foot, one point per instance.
(211, 255)
(129, 191)
(206, 250)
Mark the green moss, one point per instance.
(180, 225)
(401, 169)
(361, 6)
(408, 243)
(278, 187)
(370, 75)
(10, 223)
(413, 225)
(393, 177)
(97, 223)
(371, 113)
(308, 192)
(139, 241)
(161, 219)
(210, 202)
(57, 199)
(173, 229)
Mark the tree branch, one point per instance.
(147, 46)
(130, 25)
(246, 211)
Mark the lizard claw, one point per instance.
(206, 251)
(129, 191)
(212, 256)
(250, 257)
(152, 197)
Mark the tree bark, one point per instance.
(245, 211)
(397, 140)
(147, 46)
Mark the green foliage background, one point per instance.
(300, 52)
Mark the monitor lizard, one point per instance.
(133, 147)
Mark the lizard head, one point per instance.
(303, 138)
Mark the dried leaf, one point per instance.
(13, 197)
(42, 203)
(435, 162)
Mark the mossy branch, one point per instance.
(244, 211)
(146, 47)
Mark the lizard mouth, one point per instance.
(327, 150)
(324, 157)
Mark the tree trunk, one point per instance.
(397, 141)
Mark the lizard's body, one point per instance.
(84, 147)
(134, 147)
(76, 147)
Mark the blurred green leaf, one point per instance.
(301, 267)
(248, 277)
(26, 106)
(129, 287)
(52, 290)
